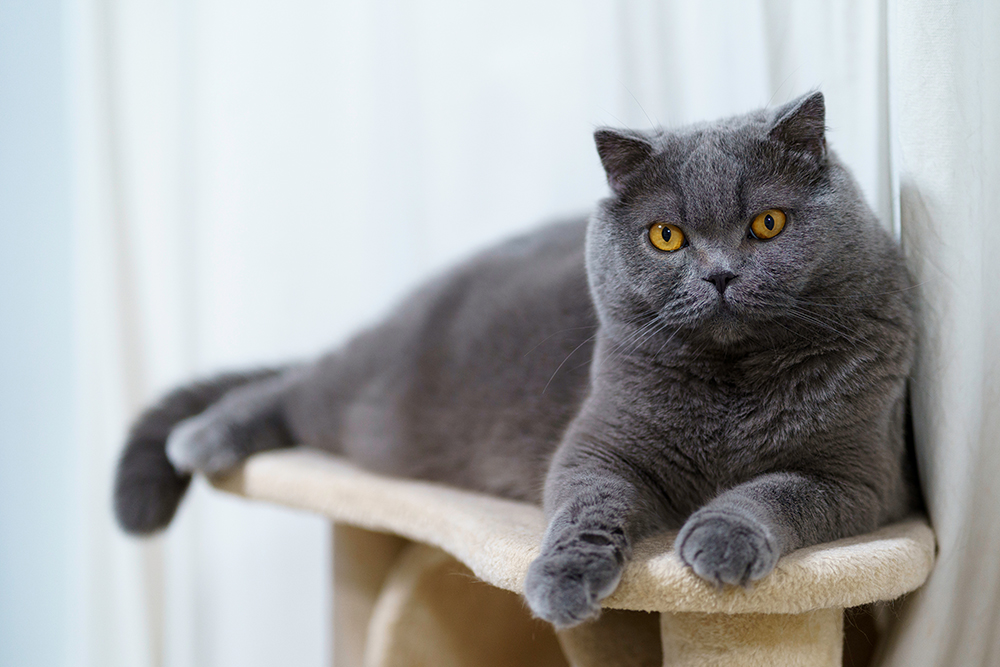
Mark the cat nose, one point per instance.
(721, 280)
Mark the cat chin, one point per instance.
(725, 325)
(727, 334)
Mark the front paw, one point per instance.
(726, 549)
(565, 587)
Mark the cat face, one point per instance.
(720, 231)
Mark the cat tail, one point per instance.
(147, 488)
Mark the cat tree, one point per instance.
(428, 575)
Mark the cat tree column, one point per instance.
(447, 594)
(764, 640)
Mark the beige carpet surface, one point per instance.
(497, 539)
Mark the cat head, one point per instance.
(720, 231)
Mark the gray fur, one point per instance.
(581, 368)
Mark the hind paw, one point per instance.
(202, 444)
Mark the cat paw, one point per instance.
(202, 444)
(726, 549)
(566, 587)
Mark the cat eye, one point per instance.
(666, 237)
(768, 224)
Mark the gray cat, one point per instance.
(722, 348)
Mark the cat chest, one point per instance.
(724, 436)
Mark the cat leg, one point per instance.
(247, 420)
(739, 536)
(596, 514)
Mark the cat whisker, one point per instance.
(868, 295)
(625, 350)
(797, 310)
(633, 336)
(811, 318)
(667, 341)
(556, 334)
(791, 331)
(649, 335)
(808, 316)
(563, 363)
(825, 318)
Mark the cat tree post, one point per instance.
(448, 593)
(362, 560)
(691, 639)
(813, 639)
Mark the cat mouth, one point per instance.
(725, 321)
(724, 309)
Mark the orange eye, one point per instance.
(768, 224)
(666, 237)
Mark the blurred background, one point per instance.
(189, 186)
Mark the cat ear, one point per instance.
(801, 125)
(622, 152)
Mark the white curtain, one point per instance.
(944, 81)
(256, 180)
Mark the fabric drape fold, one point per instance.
(944, 85)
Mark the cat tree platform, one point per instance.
(426, 574)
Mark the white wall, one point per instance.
(35, 336)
